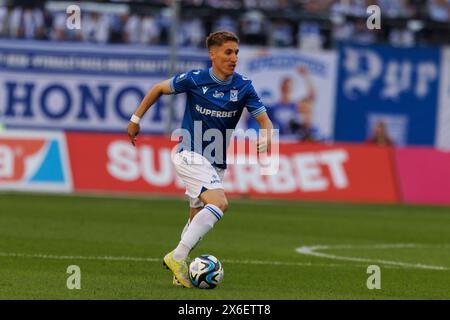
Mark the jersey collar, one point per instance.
(216, 79)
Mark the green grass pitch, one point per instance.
(118, 243)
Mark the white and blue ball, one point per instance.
(206, 272)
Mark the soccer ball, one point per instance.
(206, 272)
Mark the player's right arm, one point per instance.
(150, 98)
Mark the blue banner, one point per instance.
(83, 87)
(391, 88)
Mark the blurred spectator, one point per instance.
(250, 4)
(5, 12)
(59, 30)
(96, 27)
(16, 23)
(48, 23)
(395, 8)
(439, 10)
(192, 33)
(253, 28)
(302, 22)
(282, 34)
(342, 30)
(118, 23)
(225, 22)
(402, 38)
(309, 37)
(132, 29)
(362, 35)
(224, 4)
(380, 135)
(33, 22)
(163, 20)
(24, 22)
(195, 3)
(317, 6)
(270, 4)
(150, 30)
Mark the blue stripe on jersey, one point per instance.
(214, 212)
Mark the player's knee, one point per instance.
(222, 204)
(215, 198)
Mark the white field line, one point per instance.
(312, 251)
(142, 259)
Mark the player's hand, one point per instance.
(133, 131)
(264, 141)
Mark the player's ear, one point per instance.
(211, 53)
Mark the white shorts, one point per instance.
(197, 174)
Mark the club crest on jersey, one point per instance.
(234, 95)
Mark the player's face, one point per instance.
(224, 58)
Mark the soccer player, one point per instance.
(215, 100)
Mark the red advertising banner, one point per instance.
(424, 175)
(107, 162)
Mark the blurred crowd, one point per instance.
(277, 23)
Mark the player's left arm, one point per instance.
(256, 108)
(266, 132)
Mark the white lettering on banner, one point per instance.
(148, 159)
(365, 67)
(128, 163)
(74, 103)
(284, 180)
(122, 162)
(335, 161)
(309, 172)
(397, 79)
(359, 81)
(301, 171)
(426, 73)
(6, 162)
(247, 177)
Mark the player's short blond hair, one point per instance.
(219, 38)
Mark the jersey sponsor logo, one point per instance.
(218, 94)
(196, 72)
(215, 113)
(204, 89)
(234, 95)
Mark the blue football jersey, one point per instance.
(213, 108)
